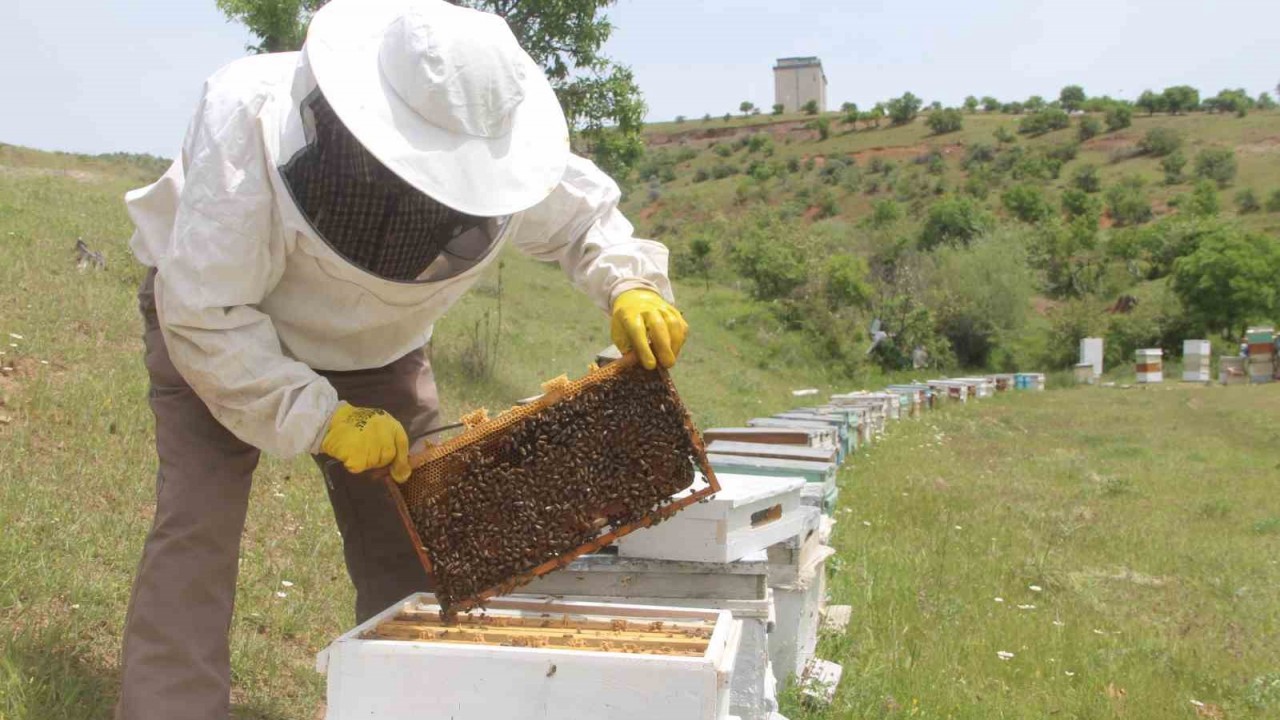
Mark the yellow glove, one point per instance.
(367, 438)
(644, 322)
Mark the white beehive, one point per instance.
(1091, 354)
(1195, 361)
(1149, 365)
(952, 389)
(979, 387)
(841, 439)
(804, 437)
(769, 450)
(749, 514)
(797, 601)
(549, 659)
(819, 473)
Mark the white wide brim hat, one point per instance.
(443, 96)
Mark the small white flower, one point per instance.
(959, 527)
(13, 345)
(279, 494)
(1068, 673)
(1026, 607)
(1197, 703)
(999, 599)
(1035, 588)
(867, 523)
(75, 606)
(282, 594)
(15, 336)
(1004, 655)
(1096, 631)
(286, 583)
(44, 362)
(1059, 623)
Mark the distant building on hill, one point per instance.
(798, 80)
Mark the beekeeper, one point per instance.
(328, 207)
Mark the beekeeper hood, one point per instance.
(444, 98)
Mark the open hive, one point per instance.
(688, 638)
(526, 492)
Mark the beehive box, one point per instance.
(1195, 361)
(526, 492)
(798, 611)
(550, 660)
(803, 437)
(979, 387)
(914, 398)
(1003, 381)
(1091, 354)
(781, 452)
(1232, 371)
(1084, 374)
(1029, 381)
(821, 474)
(749, 514)
(858, 422)
(956, 391)
(1149, 365)
(740, 587)
(841, 438)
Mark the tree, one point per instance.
(746, 107)
(810, 108)
(954, 221)
(873, 116)
(1043, 121)
(935, 106)
(1217, 164)
(1202, 201)
(1026, 203)
(851, 114)
(680, 119)
(1172, 164)
(991, 104)
(1004, 136)
(1151, 102)
(600, 98)
(822, 125)
(1160, 141)
(1247, 202)
(904, 109)
(1119, 117)
(945, 121)
(1089, 127)
(1265, 102)
(846, 281)
(1229, 280)
(971, 104)
(1035, 103)
(1127, 201)
(1235, 101)
(1072, 98)
(1181, 98)
(778, 108)
(1273, 201)
(1087, 179)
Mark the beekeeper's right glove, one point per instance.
(366, 438)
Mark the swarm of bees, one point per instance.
(608, 455)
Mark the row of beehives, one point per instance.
(1255, 365)
(700, 617)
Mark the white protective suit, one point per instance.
(250, 299)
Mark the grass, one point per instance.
(1121, 544)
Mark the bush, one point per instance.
(1217, 164)
(1043, 121)
(954, 221)
(846, 282)
(722, 150)
(903, 110)
(1089, 127)
(1172, 164)
(1086, 178)
(810, 108)
(1247, 202)
(1118, 117)
(793, 164)
(680, 119)
(822, 125)
(778, 109)
(1160, 141)
(1004, 136)
(884, 213)
(768, 254)
(945, 121)
(982, 294)
(1026, 203)
(1127, 201)
(724, 170)
(1273, 202)
(1063, 152)
(1078, 203)
(1203, 200)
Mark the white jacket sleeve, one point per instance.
(580, 227)
(224, 255)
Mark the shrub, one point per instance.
(1203, 200)
(977, 154)
(1118, 117)
(1217, 164)
(772, 262)
(680, 119)
(846, 281)
(724, 170)
(793, 164)
(1043, 121)
(822, 125)
(1172, 164)
(1089, 127)
(982, 293)
(1063, 152)
(810, 108)
(1004, 136)
(954, 221)
(1247, 202)
(760, 142)
(1078, 203)
(945, 121)
(1026, 203)
(778, 109)
(903, 110)
(701, 175)
(1273, 202)
(1086, 178)
(1127, 201)
(706, 118)
(884, 213)
(1160, 141)
(722, 150)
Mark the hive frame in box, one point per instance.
(480, 428)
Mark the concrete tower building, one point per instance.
(798, 80)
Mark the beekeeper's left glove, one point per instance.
(654, 328)
(366, 438)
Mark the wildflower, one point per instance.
(1026, 607)
(286, 583)
(1197, 703)
(1068, 673)
(959, 527)
(1035, 588)
(15, 336)
(999, 599)
(1058, 623)
(867, 523)
(282, 594)
(1004, 655)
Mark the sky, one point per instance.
(125, 76)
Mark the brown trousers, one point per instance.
(176, 661)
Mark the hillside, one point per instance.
(988, 246)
